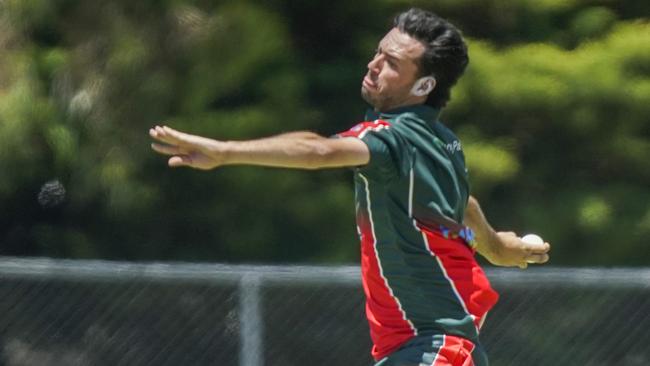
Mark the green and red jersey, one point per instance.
(419, 273)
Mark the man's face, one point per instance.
(392, 72)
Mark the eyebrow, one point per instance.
(393, 57)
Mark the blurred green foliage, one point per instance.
(553, 113)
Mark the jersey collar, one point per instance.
(424, 112)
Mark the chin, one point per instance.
(365, 94)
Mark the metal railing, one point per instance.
(72, 312)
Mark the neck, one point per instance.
(392, 107)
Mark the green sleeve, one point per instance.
(389, 155)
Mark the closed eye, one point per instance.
(389, 58)
(391, 62)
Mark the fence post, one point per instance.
(250, 320)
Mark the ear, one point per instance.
(423, 86)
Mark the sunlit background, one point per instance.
(554, 114)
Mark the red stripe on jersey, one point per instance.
(455, 351)
(363, 127)
(465, 275)
(388, 327)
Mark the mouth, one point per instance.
(368, 83)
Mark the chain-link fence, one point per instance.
(63, 312)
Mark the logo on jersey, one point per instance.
(454, 147)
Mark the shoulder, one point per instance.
(448, 137)
(361, 129)
(407, 118)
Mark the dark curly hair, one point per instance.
(445, 55)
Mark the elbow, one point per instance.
(314, 154)
(471, 211)
(321, 156)
(327, 153)
(472, 203)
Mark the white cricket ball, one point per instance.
(532, 239)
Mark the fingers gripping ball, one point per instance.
(532, 239)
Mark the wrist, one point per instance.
(488, 245)
(224, 152)
(219, 152)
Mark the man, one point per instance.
(426, 295)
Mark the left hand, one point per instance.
(187, 150)
(511, 251)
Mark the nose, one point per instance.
(374, 64)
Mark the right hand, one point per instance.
(510, 251)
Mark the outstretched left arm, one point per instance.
(301, 150)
